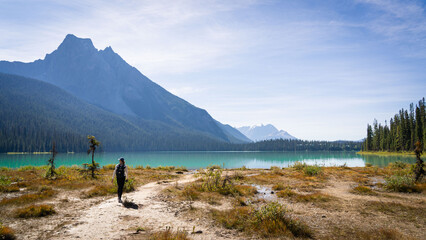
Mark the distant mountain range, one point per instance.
(264, 132)
(103, 89)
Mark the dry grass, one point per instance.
(269, 220)
(28, 198)
(411, 213)
(33, 211)
(370, 234)
(169, 234)
(6, 233)
(363, 190)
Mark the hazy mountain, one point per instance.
(233, 134)
(104, 79)
(33, 113)
(264, 132)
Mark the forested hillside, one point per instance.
(34, 113)
(404, 130)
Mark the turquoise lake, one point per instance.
(194, 160)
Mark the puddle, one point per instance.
(265, 193)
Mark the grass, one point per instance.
(310, 197)
(363, 190)
(34, 211)
(269, 220)
(169, 234)
(29, 198)
(406, 213)
(6, 233)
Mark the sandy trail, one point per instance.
(111, 220)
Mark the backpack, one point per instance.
(120, 171)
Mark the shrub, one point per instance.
(270, 220)
(148, 167)
(299, 166)
(398, 165)
(6, 233)
(368, 165)
(403, 183)
(312, 170)
(35, 211)
(4, 180)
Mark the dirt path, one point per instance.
(110, 220)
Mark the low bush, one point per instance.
(35, 211)
(398, 183)
(270, 220)
(4, 180)
(6, 233)
(299, 166)
(312, 170)
(368, 165)
(398, 165)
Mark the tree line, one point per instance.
(404, 130)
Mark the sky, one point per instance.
(321, 70)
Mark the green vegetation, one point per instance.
(404, 130)
(269, 220)
(34, 211)
(309, 170)
(404, 183)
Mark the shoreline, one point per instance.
(386, 154)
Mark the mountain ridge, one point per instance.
(264, 132)
(104, 79)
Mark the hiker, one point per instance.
(121, 172)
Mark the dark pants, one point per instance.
(120, 183)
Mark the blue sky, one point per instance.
(320, 70)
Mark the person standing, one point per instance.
(120, 172)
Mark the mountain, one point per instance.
(233, 134)
(264, 132)
(33, 113)
(104, 79)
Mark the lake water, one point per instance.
(195, 160)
